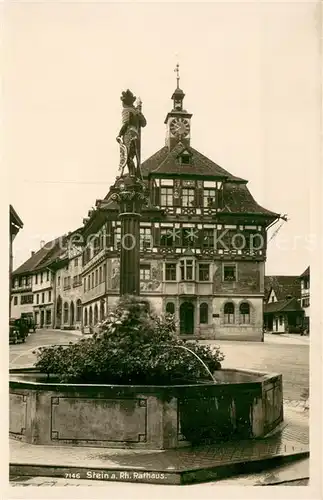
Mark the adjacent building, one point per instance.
(15, 224)
(202, 248)
(68, 293)
(282, 309)
(305, 297)
(33, 285)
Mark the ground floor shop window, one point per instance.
(48, 317)
(170, 308)
(229, 313)
(204, 313)
(244, 313)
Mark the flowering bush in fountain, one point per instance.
(131, 346)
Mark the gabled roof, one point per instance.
(283, 287)
(166, 162)
(46, 255)
(237, 197)
(306, 273)
(287, 305)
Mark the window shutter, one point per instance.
(156, 197)
(199, 197)
(201, 238)
(156, 236)
(109, 234)
(177, 198)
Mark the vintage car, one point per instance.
(18, 330)
(29, 320)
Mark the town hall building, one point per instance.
(202, 243)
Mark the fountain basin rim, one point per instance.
(43, 384)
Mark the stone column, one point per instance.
(130, 193)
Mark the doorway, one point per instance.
(72, 314)
(42, 319)
(58, 312)
(186, 314)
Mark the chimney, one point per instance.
(32, 253)
(42, 243)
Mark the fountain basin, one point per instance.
(243, 404)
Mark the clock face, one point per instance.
(180, 127)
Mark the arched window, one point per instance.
(229, 312)
(95, 314)
(244, 313)
(78, 310)
(170, 308)
(90, 316)
(65, 312)
(204, 313)
(85, 317)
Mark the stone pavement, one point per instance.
(181, 466)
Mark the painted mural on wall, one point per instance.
(114, 274)
(156, 277)
(153, 284)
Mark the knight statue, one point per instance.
(129, 137)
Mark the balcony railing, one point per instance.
(22, 288)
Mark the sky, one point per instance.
(251, 75)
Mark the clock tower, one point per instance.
(178, 121)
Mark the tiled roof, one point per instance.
(153, 161)
(165, 161)
(306, 272)
(282, 305)
(283, 286)
(237, 198)
(46, 255)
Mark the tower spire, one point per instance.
(177, 75)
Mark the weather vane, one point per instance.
(177, 74)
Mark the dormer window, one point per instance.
(185, 158)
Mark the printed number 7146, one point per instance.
(72, 475)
